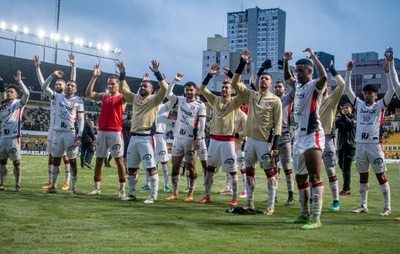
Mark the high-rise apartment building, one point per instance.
(262, 31)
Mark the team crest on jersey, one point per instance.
(146, 100)
(268, 103)
(192, 107)
(304, 87)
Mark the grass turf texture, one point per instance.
(33, 222)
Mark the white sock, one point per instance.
(334, 185)
(234, 186)
(67, 169)
(165, 173)
(154, 181)
(318, 195)
(56, 171)
(364, 187)
(385, 189)
(208, 183)
(271, 185)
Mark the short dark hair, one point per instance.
(113, 77)
(190, 83)
(15, 87)
(347, 104)
(304, 61)
(266, 73)
(371, 88)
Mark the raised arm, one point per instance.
(287, 74)
(72, 61)
(45, 86)
(236, 84)
(155, 68)
(2, 90)
(322, 77)
(89, 90)
(392, 73)
(123, 86)
(25, 96)
(347, 83)
(338, 92)
(389, 93)
(170, 95)
(203, 88)
(37, 62)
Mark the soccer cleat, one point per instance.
(3, 188)
(129, 198)
(166, 189)
(299, 219)
(312, 224)
(189, 199)
(360, 209)
(145, 187)
(289, 202)
(226, 192)
(204, 200)
(94, 192)
(17, 188)
(46, 186)
(121, 193)
(74, 192)
(269, 211)
(65, 186)
(386, 212)
(243, 194)
(335, 206)
(186, 190)
(150, 200)
(172, 197)
(276, 199)
(87, 165)
(234, 202)
(397, 218)
(51, 190)
(249, 205)
(344, 193)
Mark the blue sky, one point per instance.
(175, 31)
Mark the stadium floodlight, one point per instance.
(90, 44)
(56, 37)
(41, 34)
(76, 41)
(106, 47)
(3, 25)
(66, 39)
(98, 46)
(15, 28)
(52, 36)
(81, 41)
(26, 30)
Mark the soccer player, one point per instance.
(109, 135)
(141, 145)
(10, 120)
(59, 88)
(309, 135)
(263, 118)
(240, 123)
(285, 146)
(161, 152)
(88, 145)
(327, 113)
(68, 112)
(222, 148)
(189, 128)
(369, 137)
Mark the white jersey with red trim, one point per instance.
(287, 104)
(10, 118)
(162, 115)
(369, 121)
(52, 113)
(307, 101)
(188, 117)
(67, 110)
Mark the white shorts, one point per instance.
(161, 148)
(285, 151)
(112, 140)
(222, 153)
(64, 142)
(240, 158)
(257, 150)
(302, 144)
(370, 154)
(10, 148)
(50, 137)
(329, 155)
(141, 149)
(202, 152)
(184, 147)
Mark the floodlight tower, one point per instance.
(57, 26)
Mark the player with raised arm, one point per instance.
(309, 139)
(368, 138)
(263, 131)
(141, 145)
(109, 134)
(10, 139)
(189, 128)
(59, 88)
(68, 112)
